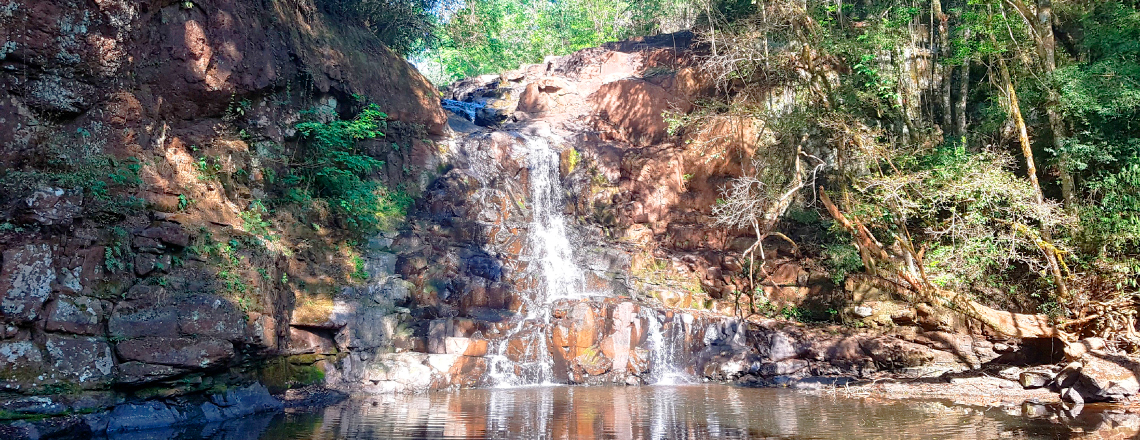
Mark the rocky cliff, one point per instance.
(139, 145)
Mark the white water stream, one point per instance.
(561, 278)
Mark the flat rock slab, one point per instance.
(177, 352)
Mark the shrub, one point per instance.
(334, 170)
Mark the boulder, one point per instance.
(26, 282)
(1034, 379)
(890, 353)
(1101, 380)
(782, 368)
(243, 401)
(144, 415)
(491, 117)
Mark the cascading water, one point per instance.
(667, 348)
(560, 276)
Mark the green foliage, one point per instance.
(488, 36)
(73, 160)
(841, 259)
(333, 169)
(359, 273)
(117, 255)
(403, 25)
(253, 221)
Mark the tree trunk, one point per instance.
(963, 92)
(1041, 29)
(947, 70)
(1019, 125)
(1048, 52)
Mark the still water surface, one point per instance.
(650, 412)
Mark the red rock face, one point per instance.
(129, 64)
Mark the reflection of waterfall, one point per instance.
(668, 348)
(560, 278)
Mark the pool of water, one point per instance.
(654, 412)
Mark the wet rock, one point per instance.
(481, 265)
(177, 352)
(465, 346)
(53, 206)
(592, 362)
(83, 360)
(464, 109)
(638, 361)
(820, 382)
(491, 117)
(1072, 396)
(41, 405)
(145, 415)
(136, 373)
(243, 401)
(75, 314)
(26, 282)
(313, 396)
(468, 371)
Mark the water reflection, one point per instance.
(655, 412)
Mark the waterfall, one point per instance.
(560, 277)
(668, 355)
